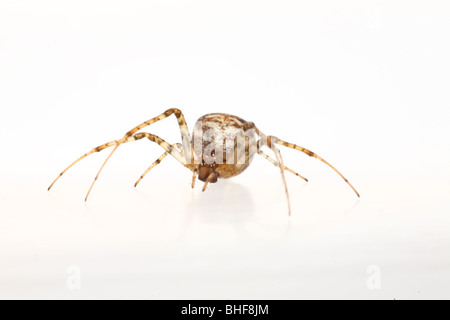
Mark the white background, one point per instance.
(362, 83)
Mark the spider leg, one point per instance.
(270, 140)
(158, 161)
(211, 175)
(169, 149)
(265, 156)
(311, 154)
(194, 176)
(97, 149)
(281, 165)
(250, 125)
(185, 137)
(165, 145)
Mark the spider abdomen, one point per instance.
(222, 147)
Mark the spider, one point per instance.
(221, 146)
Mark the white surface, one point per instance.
(362, 83)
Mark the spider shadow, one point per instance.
(225, 201)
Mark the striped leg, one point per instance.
(170, 148)
(185, 137)
(271, 140)
(154, 164)
(265, 156)
(166, 146)
(311, 154)
(97, 149)
(249, 126)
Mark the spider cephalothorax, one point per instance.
(221, 146)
